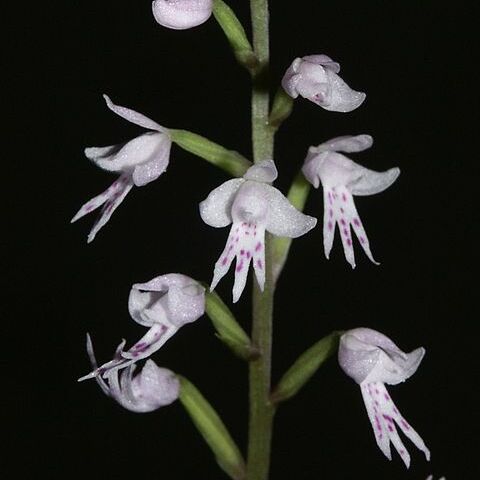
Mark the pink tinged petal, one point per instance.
(265, 172)
(216, 209)
(390, 414)
(152, 341)
(133, 116)
(181, 14)
(376, 420)
(247, 242)
(283, 219)
(110, 206)
(110, 198)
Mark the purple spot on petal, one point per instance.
(342, 210)
(343, 222)
(330, 225)
(362, 240)
(224, 261)
(405, 425)
(239, 266)
(259, 264)
(349, 242)
(356, 221)
(330, 212)
(248, 254)
(242, 252)
(258, 247)
(344, 197)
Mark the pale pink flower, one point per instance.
(163, 305)
(139, 161)
(315, 78)
(252, 206)
(342, 178)
(373, 360)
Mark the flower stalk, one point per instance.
(261, 409)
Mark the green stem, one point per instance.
(261, 409)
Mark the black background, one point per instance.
(411, 59)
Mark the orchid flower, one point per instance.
(181, 14)
(153, 387)
(139, 161)
(315, 78)
(373, 360)
(252, 206)
(342, 178)
(164, 304)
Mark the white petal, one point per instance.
(283, 219)
(264, 171)
(370, 182)
(151, 170)
(323, 60)
(133, 116)
(346, 143)
(186, 304)
(395, 369)
(215, 210)
(181, 14)
(173, 298)
(124, 158)
(154, 387)
(342, 98)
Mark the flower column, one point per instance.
(261, 410)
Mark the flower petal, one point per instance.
(181, 14)
(283, 219)
(370, 182)
(133, 116)
(173, 298)
(264, 171)
(393, 370)
(342, 98)
(111, 198)
(246, 243)
(339, 209)
(387, 413)
(346, 143)
(215, 210)
(152, 169)
(323, 60)
(124, 158)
